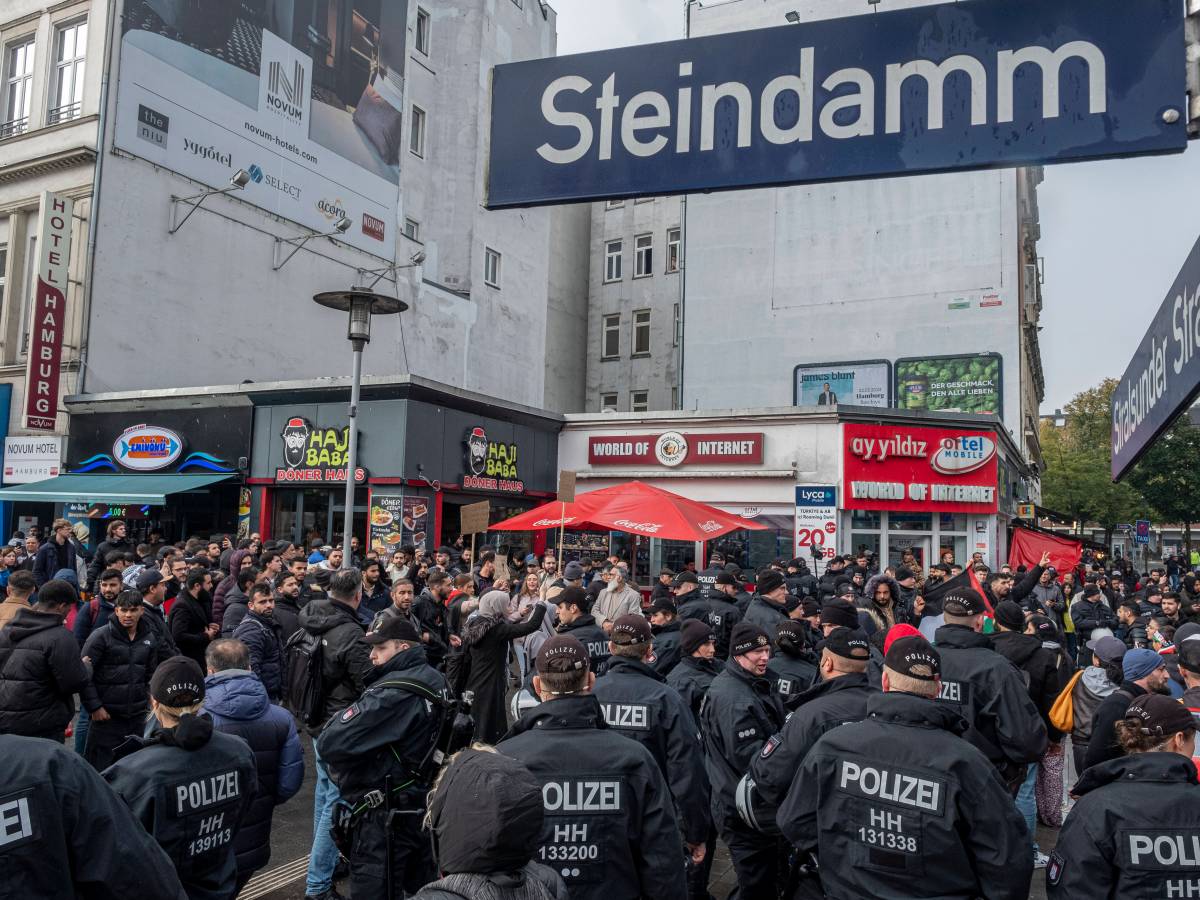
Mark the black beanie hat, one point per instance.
(693, 635)
(746, 638)
(839, 612)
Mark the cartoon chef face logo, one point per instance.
(295, 439)
(477, 444)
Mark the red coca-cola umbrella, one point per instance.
(637, 508)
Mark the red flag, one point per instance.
(964, 582)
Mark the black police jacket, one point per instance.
(121, 668)
(345, 656)
(989, 692)
(738, 715)
(766, 615)
(66, 835)
(824, 706)
(898, 805)
(1135, 832)
(708, 577)
(638, 702)
(386, 731)
(1044, 674)
(190, 787)
(666, 648)
(718, 611)
(791, 676)
(592, 636)
(691, 679)
(40, 671)
(610, 827)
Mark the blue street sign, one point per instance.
(1141, 534)
(1164, 375)
(934, 88)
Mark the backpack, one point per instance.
(1062, 713)
(304, 681)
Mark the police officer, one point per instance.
(768, 608)
(610, 829)
(664, 625)
(716, 608)
(64, 834)
(1135, 831)
(698, 667)
(575, 618)
(686, 588)
(739, 714)
(638, 703)
(987, 690)
(708, 577)
(793, 669)
(898, 805)
(839, 697)
(188, 784)
(380, 754)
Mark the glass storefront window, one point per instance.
(672, 555)
(910, 522)
(865, 520)
(861, 542)
(755, 549)
(952, 522)
(956, 544)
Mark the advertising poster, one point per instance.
(970, 384)
(816, 524)
(397, 521)
(308, 102)
(852, 383)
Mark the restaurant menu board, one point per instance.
(582, 545)
(397, 521)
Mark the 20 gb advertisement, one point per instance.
(310, 106)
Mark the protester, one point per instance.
(20, 588)
(1097, 681)
(1142, 671)
(189, 623)
(618, 599)
(486, 638)
(96, 611)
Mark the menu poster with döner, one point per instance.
(415, 522)
(398, 521)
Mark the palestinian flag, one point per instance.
(962, 583)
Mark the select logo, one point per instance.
(258, 176)
(152, 126)
(372, 227)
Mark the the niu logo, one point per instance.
(372, 227)
(152, 126)
(285, 90)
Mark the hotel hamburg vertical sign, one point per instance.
(49, 314)
(934, 88)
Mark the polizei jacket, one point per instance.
(900, 805)
(1135, 832)
(610, 827)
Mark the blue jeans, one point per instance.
(1026, 802)
(81, 729)
(323, 859)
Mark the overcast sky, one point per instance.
(1114, 234)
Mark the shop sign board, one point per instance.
(396, 521)
(105, 511)
(970, 384)
(147, 448)
(48, 317)
(313, 454)
(850, 383)
(673, 449)
(185, 441)
(30, 459)
(933, 88)
(816, 523)
(909, 468)
(490, 465)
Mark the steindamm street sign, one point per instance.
(936, 88)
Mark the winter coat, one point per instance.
(227, 583)
(1103, 745)
(1134, 831)
(876, 618)
(237, 703)
(51, 557)
(11, 606)
(287, 614)
(264, 639)
(1044, 676)
(666, 648)
(121, 669)
(68, 836)
(766, 615)
(534, 882)
(1089, 616)
(1089, 691)
(592, 636)
(86, 621)
(486, 640)
(717, 610)
(40, 672)
(432, 614)
(97, 564)
(611, 605)
(187, 622)
(345, 657)
(691, 678)
(156, 618)
(791, 675)
(190, 787)
(1048, 599)
(236, 607)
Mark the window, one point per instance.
(70, 48)
(641, 332)
(610, 337)
(18, 88)
(643, 263)
(644, 200)
(612, 260)
(416, 132)
(31, 267)
(614, 204)
(3, 262)
(639, 401)
(424, 23)
(674, 398)
(412, 229)
(672, 250)
(491, 267)
(675, 326)
(608, 401)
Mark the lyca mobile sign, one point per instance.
(935, 88)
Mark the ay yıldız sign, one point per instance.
(935, 88)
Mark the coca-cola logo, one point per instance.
(643, 527)
(547, 523)
(710, 526)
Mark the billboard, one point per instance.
(1164, 375)
(852, 383)
(933, 88)
(816, 523)
(311, 106)
(970, 384)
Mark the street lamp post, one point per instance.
(361, 303)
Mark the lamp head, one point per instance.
(240, 178)
(343, 225)
(792, 16)
(418, 257)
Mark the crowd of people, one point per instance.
(523, 728)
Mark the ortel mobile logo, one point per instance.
(957, 456)
(285, 90)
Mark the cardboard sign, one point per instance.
(474, 517)
(566, 487)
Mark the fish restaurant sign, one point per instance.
(147, 448)
(934, 88)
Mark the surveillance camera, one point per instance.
(418, 257)
(240, 178)
(343, 225)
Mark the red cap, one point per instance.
(899, 631)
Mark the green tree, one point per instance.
(1078, 457)
(1168, 476)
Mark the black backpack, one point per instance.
(304, 688)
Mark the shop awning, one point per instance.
(151, 490)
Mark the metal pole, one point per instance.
(352, 455)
